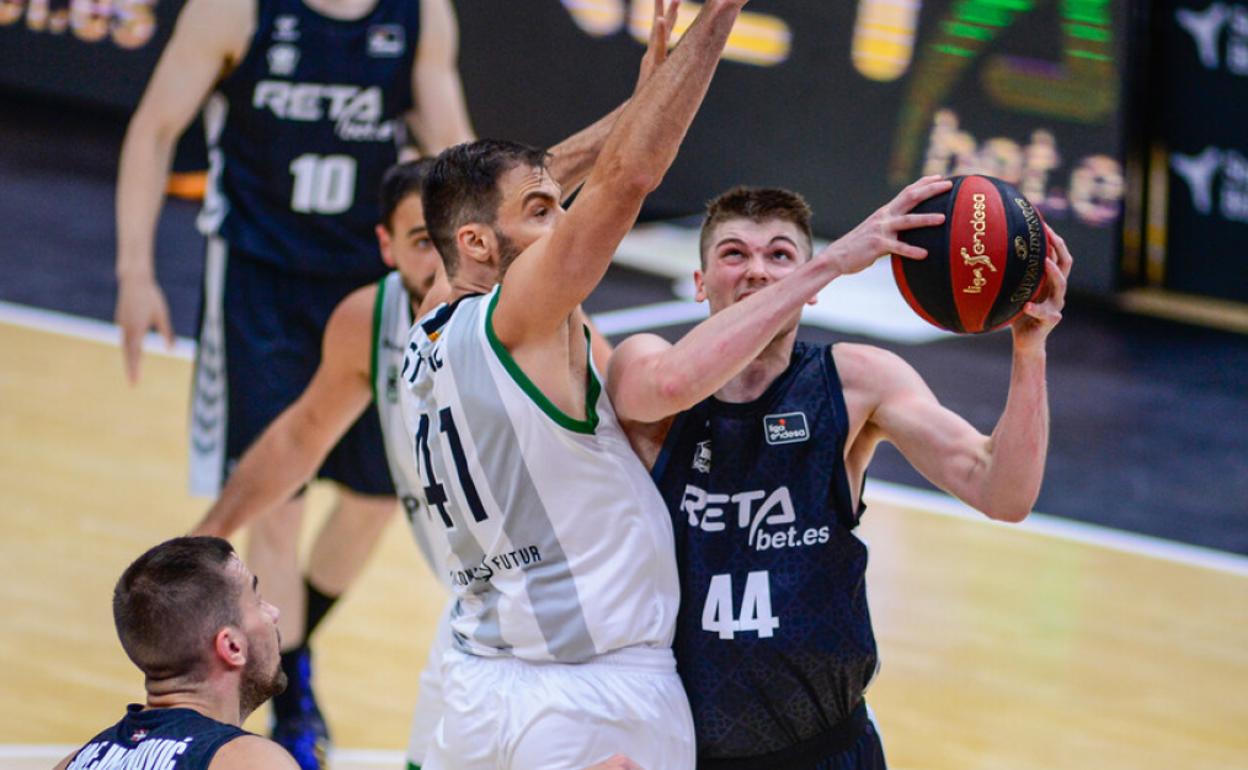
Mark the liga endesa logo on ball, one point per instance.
(983, 264)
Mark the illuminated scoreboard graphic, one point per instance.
(845, 101)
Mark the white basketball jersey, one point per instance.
(392, 323)
(560, 547)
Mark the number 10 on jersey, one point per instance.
(324, 184)
(717, 615)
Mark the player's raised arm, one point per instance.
(637, 154)
(651, 379)
(1000, 474)
(572, 159)
(210, 36)
(440, 116)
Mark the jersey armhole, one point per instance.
(842, 486)
(669, 445)
(592, 387)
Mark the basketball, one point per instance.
(983, 264)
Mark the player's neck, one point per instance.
(758, 374)
(468, 282)
(221, 705)
(342, 10)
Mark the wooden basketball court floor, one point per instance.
(1005, 648)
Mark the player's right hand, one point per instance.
(880, 233)
(660, 39)
(141, 306)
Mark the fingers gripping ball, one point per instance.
(983, 264)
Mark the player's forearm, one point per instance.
(1020, 442)
(146, 155)
(572, 159)
(719, 348)
(269, 474)
(653, 124)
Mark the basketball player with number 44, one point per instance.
(764, 479)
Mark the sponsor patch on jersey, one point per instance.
(286, 28)
(283, 59)
(702, 457)
(787, 428)
(386, 40)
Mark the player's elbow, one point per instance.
(630, 178)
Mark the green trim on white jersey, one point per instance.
(592, 386)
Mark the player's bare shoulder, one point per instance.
(251, 752)
(225, 27)
(869, 375)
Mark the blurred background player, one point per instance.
(190, 616)
(764, 478)
(307, 103)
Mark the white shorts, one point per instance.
(509, 714)
(429, 701)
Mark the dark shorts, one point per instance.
(259, 345)
(853, 744)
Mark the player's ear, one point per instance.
(699, 286)
(477, 243)
(386, 243)
(230, 646)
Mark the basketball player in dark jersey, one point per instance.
(764, 478)
(189, 614)
(305, 104)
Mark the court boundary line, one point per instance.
(939, 503)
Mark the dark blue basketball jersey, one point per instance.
(773, 641)
(301, 132)
(171, 739)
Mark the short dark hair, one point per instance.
(170, 603)
(400, 181)
(462, 187)
(757, 204)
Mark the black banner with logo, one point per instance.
(1204, 128)
(844, 101)
(99, 52)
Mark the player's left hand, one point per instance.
(660, 39)
(617, 762)
(1042, 314)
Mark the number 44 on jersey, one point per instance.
(717, 614)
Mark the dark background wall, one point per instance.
(806, 98)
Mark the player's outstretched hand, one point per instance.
(880, 233)
(141, 306)
(660, 39)
(1042, 314)
(617, 762)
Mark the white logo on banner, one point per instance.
(1201, 171)
(1206, 28)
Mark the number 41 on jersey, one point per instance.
(717, 615)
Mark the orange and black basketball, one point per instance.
(983, 264)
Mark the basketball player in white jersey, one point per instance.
(560, 548)
(362, 352)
